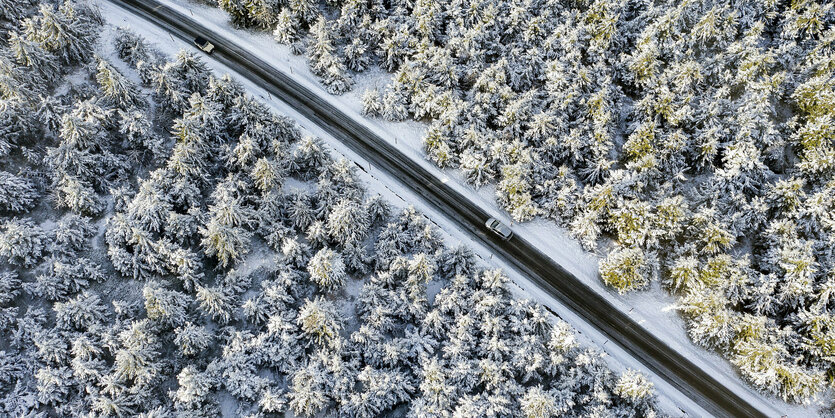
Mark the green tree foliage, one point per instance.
(116, 87)
(67, 30)
(626, 269)
(327, 269)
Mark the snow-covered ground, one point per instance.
(653, 308)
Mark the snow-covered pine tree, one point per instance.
(319, 320)
(17, 194)
(22, 242)
(627, 268)
(165, 306)
(327, 269)
(116, 88)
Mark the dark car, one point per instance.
(204, 44)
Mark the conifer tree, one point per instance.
(22, 242)
(319, 320)
(116, 87)
(17, 194)
(327, 269)
(626, 269)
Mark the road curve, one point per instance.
(655, 354)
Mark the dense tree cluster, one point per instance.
(692, 139)
(37, 44)
(199, 255)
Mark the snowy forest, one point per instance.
(689, 142)
(169, 246)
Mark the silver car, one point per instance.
(204, 45)
(500, 229)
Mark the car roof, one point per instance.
(200, 39)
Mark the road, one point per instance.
(592, 307)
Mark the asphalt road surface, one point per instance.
(655, 354)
